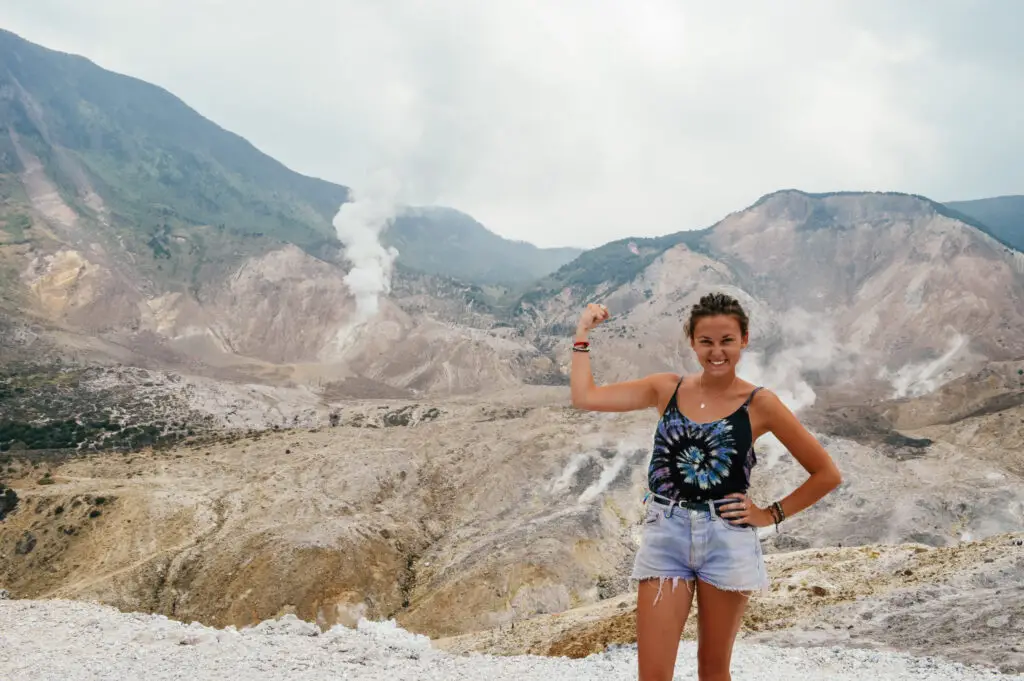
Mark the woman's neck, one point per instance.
(717, 383)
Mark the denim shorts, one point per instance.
(688, 544)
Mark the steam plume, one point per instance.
(809, 345)
(913, 380)
(359, 224)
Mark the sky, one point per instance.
(578, 122)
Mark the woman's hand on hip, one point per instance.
(744, 511)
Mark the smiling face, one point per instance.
(718, 342)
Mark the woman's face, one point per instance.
(718, 343)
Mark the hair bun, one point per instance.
(714, 304)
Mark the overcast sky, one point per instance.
(575, 122)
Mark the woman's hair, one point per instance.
(714, 304)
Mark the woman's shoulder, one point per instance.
(666, 380)
(760, 396)
(664, 383)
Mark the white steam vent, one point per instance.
(359, 224)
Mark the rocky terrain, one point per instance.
(87, 641)
(465, 515)
(962, 602)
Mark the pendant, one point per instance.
(701, 405)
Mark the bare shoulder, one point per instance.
(768, 412)
(665, 384)
(764, 400)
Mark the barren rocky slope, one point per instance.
(963, 602)
(869, 295)
(452, 516)
(97, 643)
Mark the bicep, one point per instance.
(634, 395)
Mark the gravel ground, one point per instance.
(73, 640)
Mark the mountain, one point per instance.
(852, 295)
(133, 157)
(1003, 216)
(855, 300)
(161, 182)
(869, 294)
(446, 242)
(133, 230)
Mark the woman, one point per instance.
(699, 523)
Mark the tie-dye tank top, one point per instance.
(701, 461)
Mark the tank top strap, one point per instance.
(672, 400)
(751, 397)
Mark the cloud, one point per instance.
(577, 122)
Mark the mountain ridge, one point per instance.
(470, 251)
(141, 164)
(83, 108)
(1003, 215)
(214, 295)
(577, 273)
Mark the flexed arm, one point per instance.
(632, 395)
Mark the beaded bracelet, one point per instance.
(778, 515)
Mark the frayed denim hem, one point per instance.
(688, 582)
(747, 591)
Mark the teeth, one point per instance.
(718, 363)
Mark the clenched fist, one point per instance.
(591, 317)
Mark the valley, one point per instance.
(464, 516)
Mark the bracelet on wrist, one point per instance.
(778, 515)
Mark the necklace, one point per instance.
(700, 383)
